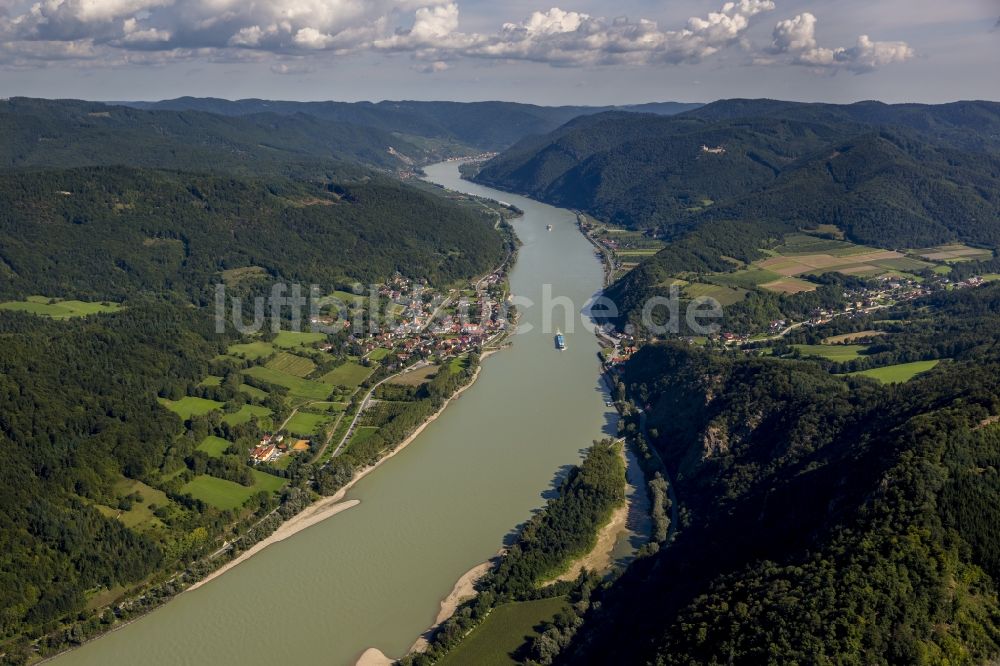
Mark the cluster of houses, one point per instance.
(418, 331)
(889, 291)
(272, 447)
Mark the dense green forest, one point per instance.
(112, 232)
(67, 133)
(824, 519)
(922, 174)
(79, 413)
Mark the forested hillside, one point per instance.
(823, 518)
(126, 420)
(109, 233)
(79, 414)
(934, 167)
(728, 183)
(483, 125)
(68, 133)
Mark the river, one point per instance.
(374, 575)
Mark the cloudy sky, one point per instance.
(577, 52)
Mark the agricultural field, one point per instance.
(348, 374)
(227, 495)
(745, 279)
(900, 373)
(189, 406)
(835, 353)
(953, 252)
(213, 446)
(252, 351)
(804, 244)
(789, 285)
(866, 261)
(211, 380)
(850, 337)
(804, 255)
(905, 264)
(297, 387)
(625, 255)
(245, 413)
(506, 629)
(299, 366)
(307, 423)
(725, 295)
(415, 377)
(57, 309)
(293, 339)
(329, 406)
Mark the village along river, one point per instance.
(374, 575)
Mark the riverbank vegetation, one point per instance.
(564, 529)
(811, 501)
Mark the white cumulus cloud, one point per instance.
(572, 38)
(797, 38)
(156, 31)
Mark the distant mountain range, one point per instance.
(258, 137)
(483, 125)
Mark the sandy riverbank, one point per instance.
(332, 505)
(464, 589)
(374, 657)
(602, 555)
(314, 513)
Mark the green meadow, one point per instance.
(307, 423)
(298, 387)
(293, 339)
(213, 446)
(227, 495)
(253, 392)
(140, 516)
(50, 307)
(252, 351)
(189, 406)
(505, 629)
(836, 353)
(245, 413)
(379, 353)
(900, 373)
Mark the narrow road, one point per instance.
(365, 401)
